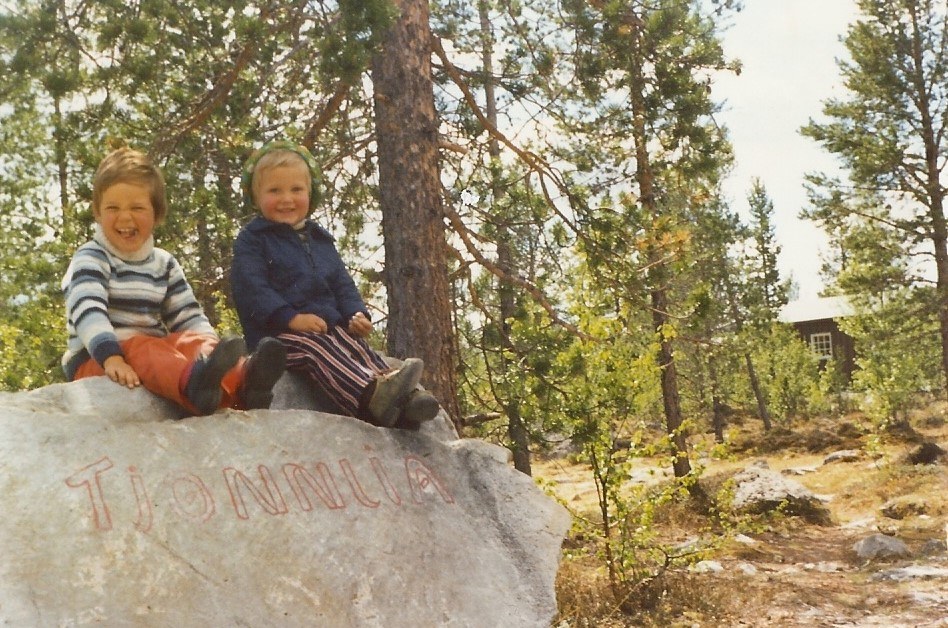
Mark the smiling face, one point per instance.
(126, 215)
(281, 193)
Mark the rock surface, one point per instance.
(119, 514)
(758, 489)
(881, 547)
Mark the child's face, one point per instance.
(126, 215)
(282, 193)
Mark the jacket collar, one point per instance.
(260, 224)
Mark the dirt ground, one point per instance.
(794, 574)
(812, 578)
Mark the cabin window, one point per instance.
(822, 345)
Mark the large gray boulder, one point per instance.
(758, 489)
(881, 547)
(117, 514)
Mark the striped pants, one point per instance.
(341, 364)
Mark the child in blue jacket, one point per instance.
(290, 282)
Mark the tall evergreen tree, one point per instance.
(507, 263)
(891, 129)
(416, 272)
(762, 294)
(514, 247)
(642, 76)
(768, 292)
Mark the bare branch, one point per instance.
(322, 118)
(462, 231)
(483, 417)
(535, 162)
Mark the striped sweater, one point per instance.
(112, 297)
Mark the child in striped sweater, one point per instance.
(131, 315)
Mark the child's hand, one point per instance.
(360, 325)
(120, 372)
(308, 322)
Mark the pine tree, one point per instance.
(410, 190)
(762, 294)
(768, 291)
(891, 131)
(641, 76)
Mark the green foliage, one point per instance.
(346, 49)
(644, 116)
(32, 337)
(612, 391)
(904, 357)
(228, 322)
(896, 326)
(889, 131)
(789, 372)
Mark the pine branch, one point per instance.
(212, 100)
(533, 161)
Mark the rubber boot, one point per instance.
(263, 368)
(421, 406)
(203, 389)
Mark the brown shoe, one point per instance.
(420, 407)
(392, 390)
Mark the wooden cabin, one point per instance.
(815, 319)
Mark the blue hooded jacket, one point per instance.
(277, 274)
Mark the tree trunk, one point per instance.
(939, 236)
(762, 410)
(416, 263)
(516, 430)
(934, 189)
(657, 274)
(204, 282)
(717, 407)
(669, 375)
(758, 392)
(941, 264)
(62, 172)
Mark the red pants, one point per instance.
(163, 364)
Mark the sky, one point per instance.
(789, 50)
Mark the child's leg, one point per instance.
(420, 406)
(249, 385)
(360, 351)
(192, 346)
(164, 364)
(329, 363)
(161, 363)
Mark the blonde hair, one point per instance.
(279, 158)
(126, 165)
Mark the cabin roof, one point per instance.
(815, 309)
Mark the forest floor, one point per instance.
(786, 572)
